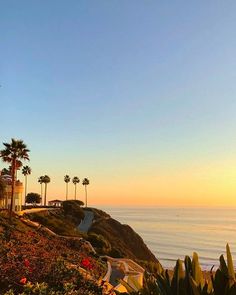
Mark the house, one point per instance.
(55, 203)
(5, 201)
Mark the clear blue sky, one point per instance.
(122, 92)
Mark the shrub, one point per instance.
(190, 280)
(33, 262)
(58, 223)
(33, 198)
(98, 241)
(73, 210)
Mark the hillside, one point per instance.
(47, 246)
(30, 254)
(107, 235)
(111, 237)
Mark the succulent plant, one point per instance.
(189, 280)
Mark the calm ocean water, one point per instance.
(172, 233)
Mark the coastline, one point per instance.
(173, 233)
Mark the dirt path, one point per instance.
(33, 210)
(86, 223)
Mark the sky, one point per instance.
(138, 96)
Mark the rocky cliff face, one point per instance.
(111, 237)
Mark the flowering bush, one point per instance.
(31, 260)
(67, 289)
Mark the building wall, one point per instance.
(17, 200)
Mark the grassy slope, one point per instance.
(63, 221)
(56, 221)
(40, 257)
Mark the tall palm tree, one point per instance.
(46, 180)
(26, 170)
(18, 166)
(14, 152)
(85, 183)
(67, 180)
(40, 180)
(75, 180)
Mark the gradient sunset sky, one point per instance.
(138, 96)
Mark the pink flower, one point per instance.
(23, 281)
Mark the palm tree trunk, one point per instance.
(86, 201)
(12, 187)
(45, 194)
(25, 187)
(41, 194)
(75, 191)
(66, 190)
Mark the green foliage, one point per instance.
(99, 242)
(33, 262)
(73, 210)
(75, 180)
(33, 198)
(46, 179)
(67, 178)
(14, 152)
(26, 170)
(5, 171)
(62, 221)
(56, 222)
(190, 281)
(65, 289)
(85, 181)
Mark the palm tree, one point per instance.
(26, 170)
(46, 180)
(13, 153)
(18, 166)
(67, 180)
(85, 183)
(75, 180)
(40, 180)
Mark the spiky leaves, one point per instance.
(67, 180)
(14, 152)
(26, 170)
(46, 180)
(85, 183)
(75, 180)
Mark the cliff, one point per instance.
(112, 238)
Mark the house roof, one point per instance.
(55, 201)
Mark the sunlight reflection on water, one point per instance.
(172, 233)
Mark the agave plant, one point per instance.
(190, 281)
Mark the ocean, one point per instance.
(172, 233)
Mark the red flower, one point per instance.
(86, 263)
(26, 263)
(23, 281)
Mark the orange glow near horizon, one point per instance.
(211, 185)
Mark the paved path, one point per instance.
(87, 221)
(116, 275)
(33, 210)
